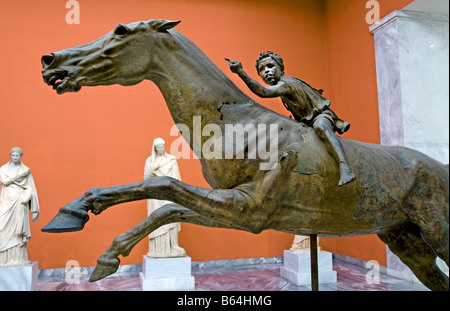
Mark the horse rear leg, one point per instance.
(108, 262)
(413, 251)
(436, 234)
(427, 206)
(434, 229)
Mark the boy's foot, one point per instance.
(347, 174)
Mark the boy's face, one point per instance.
(269, 71)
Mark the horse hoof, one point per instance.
(66, 222)
(103, 270)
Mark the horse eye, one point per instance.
(120, 30)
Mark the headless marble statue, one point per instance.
(302, 243)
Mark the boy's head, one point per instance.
(270, 67)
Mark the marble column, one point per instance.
(411, 50)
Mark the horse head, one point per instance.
(123, 56)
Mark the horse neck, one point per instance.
(192, 85)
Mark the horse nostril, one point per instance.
(46, 60)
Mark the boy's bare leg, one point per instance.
(322, 128)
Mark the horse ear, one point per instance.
(162, 25)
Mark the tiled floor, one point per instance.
(261, 277)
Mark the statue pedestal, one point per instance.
(297, 267)
(19, 278)
(164, 274)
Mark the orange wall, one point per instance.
(101, 136)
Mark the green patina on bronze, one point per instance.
(400, 194)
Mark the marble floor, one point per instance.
(257, 277)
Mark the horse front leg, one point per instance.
(235, 208)
(229, 207)
(74, 215)
(109, 261)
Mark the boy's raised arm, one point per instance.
(277, 90)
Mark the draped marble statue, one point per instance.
(163, 242)
(18, 196)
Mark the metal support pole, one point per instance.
(314, 265)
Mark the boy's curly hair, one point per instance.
(274, 56)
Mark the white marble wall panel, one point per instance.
(423, 45)
(411, 50)
(389, 86)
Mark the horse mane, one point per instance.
(209, 67)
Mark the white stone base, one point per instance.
(19, 278)
(297, 267)
(164, 274)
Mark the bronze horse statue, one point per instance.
(400, 194)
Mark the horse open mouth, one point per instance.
(60, 83)
(57, 80)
